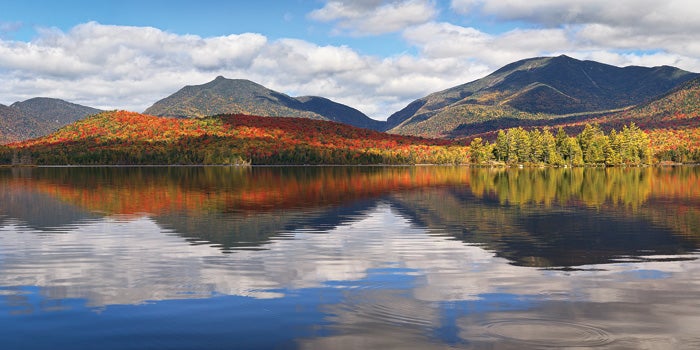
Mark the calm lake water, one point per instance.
(343, 257)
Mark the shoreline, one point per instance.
(492, 166)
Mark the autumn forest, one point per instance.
(127, 138)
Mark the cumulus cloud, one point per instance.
(641, 25)
(121, 67)
(109, 66)
(370, 17)
(443, 40)
(626, 32)
(124, 67)
(648, 15)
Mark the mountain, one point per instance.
(535, 89)
(240, 96)
(222, 96)
(53, 110)
(38, 117)
(13, 124)
(672, 122)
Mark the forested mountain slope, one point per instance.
(542, 88)
(240, 96)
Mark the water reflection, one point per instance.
(362, 257)
(540, 217)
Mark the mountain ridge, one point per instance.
(226, 96)
(672, 123)
(533, 91)
(38, 116)
(535, 88)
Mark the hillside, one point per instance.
(239, 96)
(13, 125)
(672, 123)
(130, 138)
(38, 117)
(541, 88)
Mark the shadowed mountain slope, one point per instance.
(38, 117)
(536, 89)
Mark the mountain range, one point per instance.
(37, 117)
(539, 89)
(542, 91)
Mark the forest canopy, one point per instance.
(127, 138)
(630, 146)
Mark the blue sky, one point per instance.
(375, 55)
(206, 18)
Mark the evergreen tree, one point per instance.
(550, 155)
(634, 145)
(572, 153)
(560, 140)
(597, 148)
(521, 149)
(480, 153)
(537, 146)
(612, 155)
(641, 144)
(585, 138)
(501, 148)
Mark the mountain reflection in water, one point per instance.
(541, 217)
(414, 257)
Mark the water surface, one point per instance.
(343, 257)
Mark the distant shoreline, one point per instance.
(658, 165)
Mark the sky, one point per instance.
(373, 55)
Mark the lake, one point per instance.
(349, 257)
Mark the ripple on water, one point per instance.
(375, 307)
(547, 333)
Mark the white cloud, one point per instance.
(372, 17)
(632, 25)
(227, 51)
(613, 45)
(122, 67)
(118, 67)
(301, 58)
(649, 15)
(446, 270)
(445, 40)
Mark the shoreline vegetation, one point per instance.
(120, 138)
(483, 166)
(591, 147)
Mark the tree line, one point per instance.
(127, 138)
(592, 146)
(108, 140)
